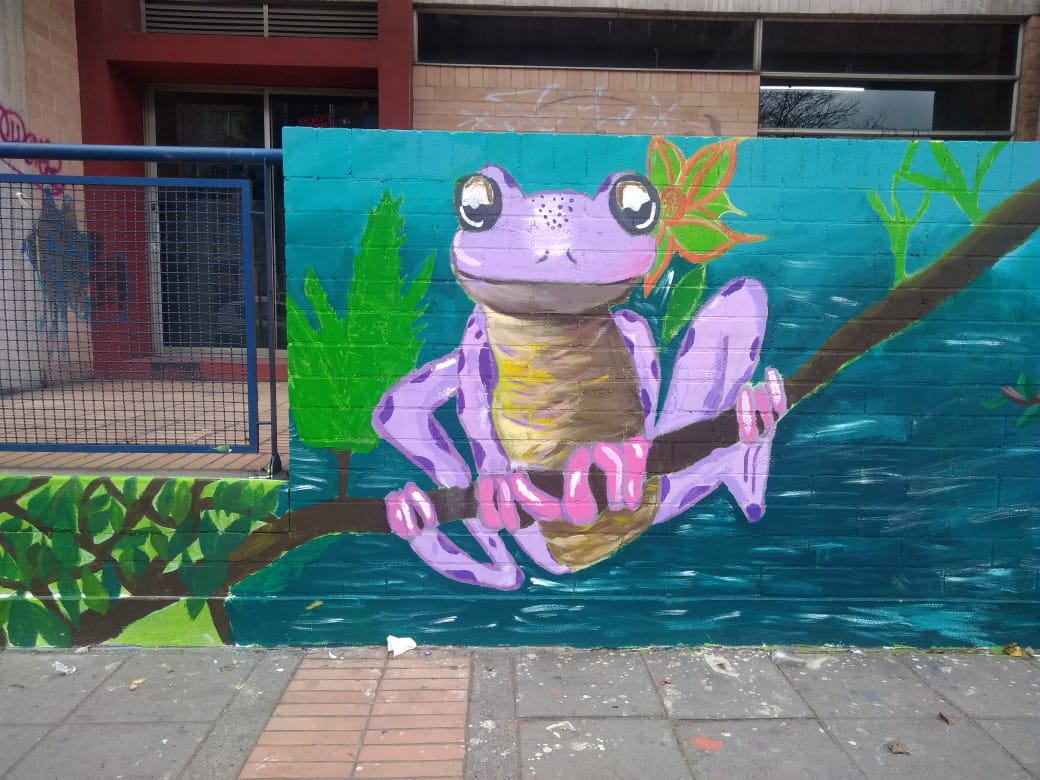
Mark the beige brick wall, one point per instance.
(585, 101)
(51, 73)
(1027, 124)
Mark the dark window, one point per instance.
(586, 41)
(892, 106)
(890, 47)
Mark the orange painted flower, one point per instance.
(693, 202)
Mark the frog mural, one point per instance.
(550, 377)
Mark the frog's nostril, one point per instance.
(555, 211)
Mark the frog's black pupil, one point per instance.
(483, 215)
(636, 221)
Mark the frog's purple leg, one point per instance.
(742, 467)
(413, 518)
(641, 346)
(404, 417)
(718, 355)
(500, 487)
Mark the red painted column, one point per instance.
(112, 111)
(396, 36)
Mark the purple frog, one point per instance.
(549, 377)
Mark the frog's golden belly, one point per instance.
(565, 382)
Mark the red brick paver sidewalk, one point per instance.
(362, 714)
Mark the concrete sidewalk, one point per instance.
(517, 713)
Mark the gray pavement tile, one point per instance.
(936, 750)
(131, 751)
(601, 749)
(188, 685)
(984, 686)
(691, 688)
(33, 692)
(491, 729)
(866, 686)
(1020, 738)
(776, 749)
(558, 682)
(228, 744)
(16, 741)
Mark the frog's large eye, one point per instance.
(478, 202)
(635, 204)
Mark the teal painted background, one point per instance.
(899, 508)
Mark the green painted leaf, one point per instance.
(95, 596)
(13, 486)
(709, 169)
(685, 298)
(30, 621)
(130, 555)
(21, 628)
(194, 607)
(164, 499)
(271, 494)
(65, 505)
(99, 514)
(1030, 416)
(949, 166)
(231, 497)
(699, 238)
(374, 343)
(131, 489)
(1024, 385)
(908, 159)
(879, 206)
(994, 403)
(69, 591)
(664, 163)
(110, 579)
(39, 506)
(926, 181)
(181, 539)
(987, 162)
(182, 499)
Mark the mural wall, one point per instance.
(604, 390)
(627, 390)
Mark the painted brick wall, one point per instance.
(900, 503)
(584, 101)
(52, 73)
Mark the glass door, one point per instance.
(201, 292)
(185, 117)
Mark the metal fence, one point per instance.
(129, 308)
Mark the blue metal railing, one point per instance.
(264, 158)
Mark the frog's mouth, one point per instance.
(523, 298)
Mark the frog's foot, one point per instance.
(742, 467)
(498, 499)
(623, 463)
(412, 517)
(758, 409)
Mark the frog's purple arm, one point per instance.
(716, 360)
(404, 417)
